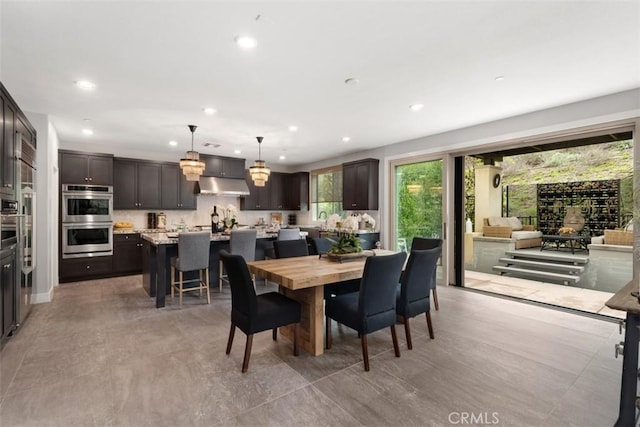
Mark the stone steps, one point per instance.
(565, 278)
(548, 266)
(567, 268)
(549, 256)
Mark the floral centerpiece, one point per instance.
(566, 231)
(228, 216)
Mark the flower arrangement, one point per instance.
(228, 215)
(566, 230)
(350, 223)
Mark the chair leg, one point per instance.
(206, 272)
(181, 289)
(232, 332)
(429, 326)
(220, 274)
(247, 353)
(173, 281)
(394, 337)
(365, 351)
(328, 332)
(200, 282)
(435, 299)
(296, 343)
(274, 334)
(407, 332)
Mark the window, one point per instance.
(326, 192)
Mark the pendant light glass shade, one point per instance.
(259, 171)
(191, 165)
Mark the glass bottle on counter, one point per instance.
(215, 219)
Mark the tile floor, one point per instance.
(575, 298)
(101, 354)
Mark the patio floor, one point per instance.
(586, 300)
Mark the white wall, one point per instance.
(46, 276)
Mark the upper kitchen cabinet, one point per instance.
(298, 191)
(8, 154)
(177, 192)
(360, 185)
(258, 198)
(224, 167)
(13, 122)
(84, 168)
(277, 190)
(136, 184)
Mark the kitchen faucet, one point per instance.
(320, 215)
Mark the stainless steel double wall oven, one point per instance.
(87, 220)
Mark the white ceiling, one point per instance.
(157, 64)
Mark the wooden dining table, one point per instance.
(303, 279)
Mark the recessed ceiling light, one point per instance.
(87, 131)
(416, 107)
(293, 128)
(499, 78)
(346, 139)
(209, 111)
(173, 143)
(282, 157)
(246, 42)
(237, 152)
(85, 85)
(351, 81)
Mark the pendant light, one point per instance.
(259, 171)
(191, 165)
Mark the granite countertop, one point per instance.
(163, 238)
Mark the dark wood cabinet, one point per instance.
(13, 123)
(177, 192)
(74, 269)
(258, 198)
(276, 190)
(298, 191)
(8, 155)
(225, 167)
(127, 254)
(84, 168)
(360, 185)
(136, 184)
(283, 191)
(8, 296)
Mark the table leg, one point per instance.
(161, 275)
(628, 389)
(311, 324)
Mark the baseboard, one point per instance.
(42, 297)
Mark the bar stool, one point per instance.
(243, 243)
(193, 254)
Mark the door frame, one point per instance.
(447, 203)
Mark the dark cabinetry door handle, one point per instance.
(354, 204)
(88, 267)
(8, 185)
(90, 179)
(7, 266)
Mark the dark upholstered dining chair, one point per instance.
(420, 244)
(290, 248)
(193, 255)
(374, 306)
(320, 245)
(412, 295)
(256, 313)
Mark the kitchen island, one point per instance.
(159, 248)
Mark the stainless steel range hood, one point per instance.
(222, 186)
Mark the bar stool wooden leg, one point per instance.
(181, 289)
(206, 272)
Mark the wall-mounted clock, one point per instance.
(496, 180)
